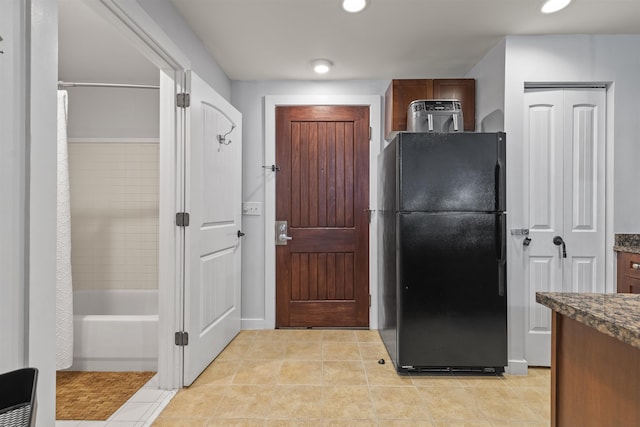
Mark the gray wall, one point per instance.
(614, 59)
(91, 49)
(113, 113)
(489, 75)
(166, 15)
(248, 97)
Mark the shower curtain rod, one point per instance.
(62, 84)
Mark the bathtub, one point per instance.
(115, 330)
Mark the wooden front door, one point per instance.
(322, 191)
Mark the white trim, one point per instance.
(564, 85)
(610, 258)
(135, 24)
(170, 242)
(610, 266)
(119, 140)
(40, 197)
(517, 367)
(14, 160)
(375, 118)
(149, 38)
(252, 324)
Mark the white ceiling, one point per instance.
(276, 39)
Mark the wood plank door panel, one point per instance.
(322, 191)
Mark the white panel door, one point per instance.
(543, 194)
(212, 249)
(564, 182)
(584, 190)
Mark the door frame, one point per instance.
(135, 24)
(374, 102)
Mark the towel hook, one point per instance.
(222, 139)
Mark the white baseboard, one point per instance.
(253, 324)
(517, 367)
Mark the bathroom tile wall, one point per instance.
(114, 214)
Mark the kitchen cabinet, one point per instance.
(628, 280)
(595, 359)
(401, 93)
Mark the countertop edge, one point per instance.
(627, 249)
(588, 318)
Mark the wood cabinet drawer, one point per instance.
(633, 285)
(629, 264)
(628, 275)
(628, 285)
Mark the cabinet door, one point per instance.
(465, 91)
(397, 99)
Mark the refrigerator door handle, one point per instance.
(500, 240)
(501, 251)
(498, 187)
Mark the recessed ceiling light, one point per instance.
(551, 6)
(354, 6)
(321, 66)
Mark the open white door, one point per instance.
(564, 183)
(213, 164)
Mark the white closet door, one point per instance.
(563, 193)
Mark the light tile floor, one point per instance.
(139, 411)
(307, 378)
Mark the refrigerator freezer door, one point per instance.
(454, 172)
(451, 290)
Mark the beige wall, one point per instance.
(114, 214)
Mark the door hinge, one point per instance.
(369, 300)
(182, 219)
(182, 338)
(183, 100)
(370, 132)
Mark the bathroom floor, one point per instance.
(333, 378)
(85, 395)
(140, 410)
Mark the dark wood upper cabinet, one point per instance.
(401, 93)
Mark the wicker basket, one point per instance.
(18, 398)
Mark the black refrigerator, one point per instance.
(442, 270)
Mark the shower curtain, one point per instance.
(64, 291)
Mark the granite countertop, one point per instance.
(617, 315)
(627, 243)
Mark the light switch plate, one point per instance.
(251, 208)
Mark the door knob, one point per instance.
(557, 240)
(282, 236)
